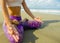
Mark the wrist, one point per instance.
(8, 22)
(33, 17)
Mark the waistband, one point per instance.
(15, 17)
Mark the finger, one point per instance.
(15, 38)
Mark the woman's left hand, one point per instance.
(38, 19)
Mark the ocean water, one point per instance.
(48, 11)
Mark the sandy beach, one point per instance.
(48, 33)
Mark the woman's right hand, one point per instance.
(13, 32)
(11, 29)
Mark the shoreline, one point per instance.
(55, 12)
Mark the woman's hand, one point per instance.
(15, 21)
(13, 32)
(38, 19)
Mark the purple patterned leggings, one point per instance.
(27, 24)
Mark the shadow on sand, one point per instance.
(29, 37)
(47, 22)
